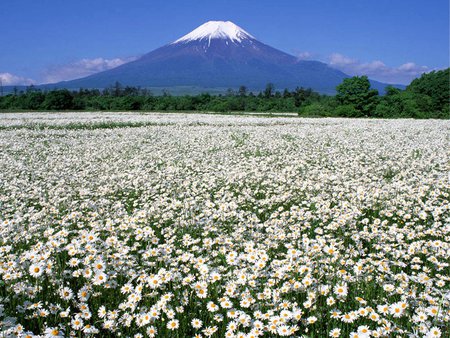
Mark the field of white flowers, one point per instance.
(171, 225)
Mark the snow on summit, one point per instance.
(216, 30)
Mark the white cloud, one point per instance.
(377, 70)
(305, 55)
(337, 59)
(81, 68)
(9, 79)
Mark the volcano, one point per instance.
(218, 54)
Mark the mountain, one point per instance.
(218, 54)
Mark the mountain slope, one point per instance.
(217, 54)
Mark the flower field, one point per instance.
(183, 225)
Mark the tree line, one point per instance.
(424, 97)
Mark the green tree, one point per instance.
(436, 86)
(242, 91)
(356, 92)
(117, 89)
(398, 103)
(268, 92)
(58, 100)
(33, 100)
(315, 109)
(347, 110)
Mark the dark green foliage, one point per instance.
(355, 94)
(315, 109)
(34, 100)
(347, 110)
(131, 98)
(426, 97)
(398, 103)
(269, 90)
(58, 100)
(432, 92)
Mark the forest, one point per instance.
(424, 97)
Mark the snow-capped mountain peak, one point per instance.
(217, 54)
(216, 30)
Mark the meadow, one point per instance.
(195, 225)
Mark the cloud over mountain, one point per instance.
(377, 69)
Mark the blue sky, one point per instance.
(389, 40)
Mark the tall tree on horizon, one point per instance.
(356, 92)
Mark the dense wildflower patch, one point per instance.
(208, 226)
